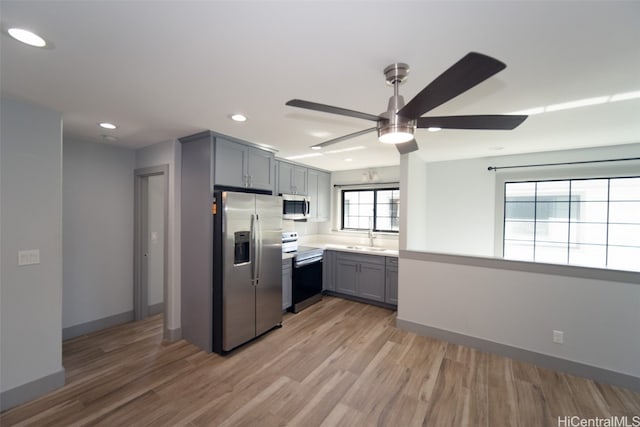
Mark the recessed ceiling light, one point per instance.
(27, 37)
(237, 117)
(348, 159)
(107, 125)
(316, 147)
(434, 129)
(320, 133)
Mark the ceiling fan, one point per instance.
(398, 124)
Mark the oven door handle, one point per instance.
(307, 261)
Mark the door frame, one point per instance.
(140, 284)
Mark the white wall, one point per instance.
(31, 200)
(461, 214)
(599, 318)
(413, 202)
(98, 231)
(330, 230)
(169, 152)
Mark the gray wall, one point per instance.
(97, 232)
(31, 218)
(169, 153)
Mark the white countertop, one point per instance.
(361, 249)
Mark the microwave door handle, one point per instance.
(308, 208)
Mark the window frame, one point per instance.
(550, 174)
(375, 191)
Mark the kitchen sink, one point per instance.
(366, 248)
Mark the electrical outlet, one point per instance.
(29, 257)
(558, 337)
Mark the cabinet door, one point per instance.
(312, 187)
(328, 270)
(324, 196)
(285, 175)
(286, 284)
(230, 163)
(300, 180)
(391, 287)
(371, 281)
(346, 275)
(259, 169)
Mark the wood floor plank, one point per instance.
(337, 363)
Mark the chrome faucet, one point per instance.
(370, 234)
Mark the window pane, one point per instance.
(588, 233)
(384, 223)
(519, 230)
(588, 255)
(624, 258)
(520, 191)
(548, 209)
(351, 196)
(552, 231)
(624, 189)
(364, 222)
(520, 210)
(624, 234)
(551, 252)
(351, 222)
(589, 211)
(591, 190)
(366, 210)
(558, 190)
(366, 197)
(625, 212)
(522, 251)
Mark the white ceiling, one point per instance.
(167, 69)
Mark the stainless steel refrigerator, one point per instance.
(247, 267)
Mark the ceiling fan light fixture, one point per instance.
(395, 134)
(27, 37)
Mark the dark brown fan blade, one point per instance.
(407, 147)
(330, 109)
(342, 138)
(495, 121)
(474, 68)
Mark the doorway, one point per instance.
(151, 224)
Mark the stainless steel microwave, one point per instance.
(295, 206)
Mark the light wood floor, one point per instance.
(338, 363)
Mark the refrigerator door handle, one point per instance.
(253, 253)
(259, 248)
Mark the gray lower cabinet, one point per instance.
(360, 275)
(287, 271)
(328, 271)
(391, 287)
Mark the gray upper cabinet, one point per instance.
(319, 195)
(292, 179)
(242, 166)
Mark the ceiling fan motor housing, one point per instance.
(392, 128)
